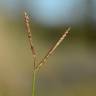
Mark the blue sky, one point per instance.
(57, 11)
(51, 11)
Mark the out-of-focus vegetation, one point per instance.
(71, 71)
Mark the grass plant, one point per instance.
(37, 67)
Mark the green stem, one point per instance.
(33, 83)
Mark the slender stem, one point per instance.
(34, 83)
(34, 79)
(52, 49)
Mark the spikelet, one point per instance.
(27, 21)
(52, 49)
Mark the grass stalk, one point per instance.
(36, 67)
(34, 83)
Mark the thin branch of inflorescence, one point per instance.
(52, 49)
(27, 21)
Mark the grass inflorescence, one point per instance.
(44, 60)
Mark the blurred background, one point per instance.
(71, 70)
